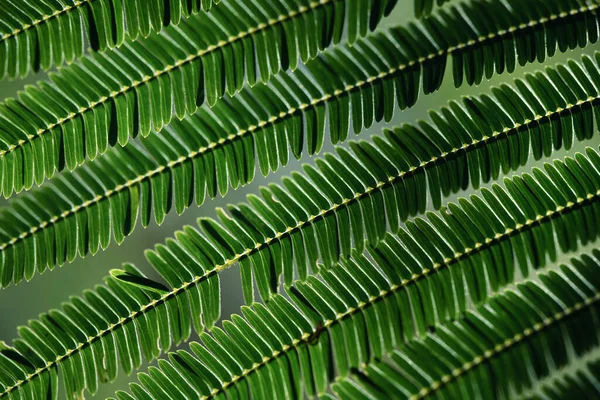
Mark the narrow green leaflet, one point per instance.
(38, 35)
(578, 380)
(424, 7)
(477, 245)
(264, 356)
(108, 98)
(500, 350)
(462, 146)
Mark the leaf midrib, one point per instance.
(560, 210)
(577, 366)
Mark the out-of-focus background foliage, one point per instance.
(23, 302)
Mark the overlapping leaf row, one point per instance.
(465, 144)
(469, 246)
(354, 316)
(126, 203)
(497, 352)
(87, 341)
(272, 238)
(578, 381)
(110, 97)
(297, 328)
(583, 202)
(39, 35)
(43, 34)
(40, 142)
(304, 325)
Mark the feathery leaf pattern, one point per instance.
(534, 330)
(38, 35)
(453, 243)
(361, 279)
(84, 109)
(462, 146)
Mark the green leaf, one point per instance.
(41, 35)
(543, 331)
(139, 281)
(545, 319)
(116, 95)
(576, 379)
(424, 7)
(421, 265)
(482, 136)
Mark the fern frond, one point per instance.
(400, 61)
(99, 315)
(505, 347)
(110, 97)
(476, 245)
(463, 145)
(38, 35)
(353, 327)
